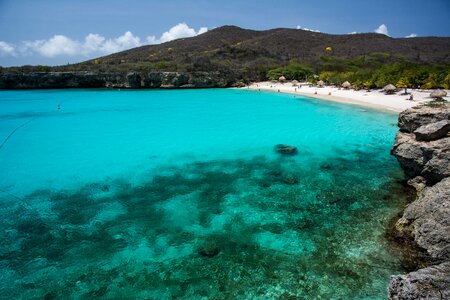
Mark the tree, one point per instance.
(403, 83)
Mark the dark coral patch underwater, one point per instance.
(243, 229)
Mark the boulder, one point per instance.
(429, 283)
(427, 220)
(433, 131)
(286, 149)
(413, 118)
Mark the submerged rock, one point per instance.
(286, 149)
(429, 283)
(290, 179)
(433, 131)
(209, 250)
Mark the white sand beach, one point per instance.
(374, 99)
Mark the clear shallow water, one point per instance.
(162, 194)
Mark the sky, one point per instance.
(56, 32)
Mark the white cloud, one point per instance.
(412, 35)
(57, 45)
(123, 42)
(307, 29)
(353, 32)
(382, 29)
(6, 49)
(181, 30)
(93, 44)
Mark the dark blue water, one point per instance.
(180, 194)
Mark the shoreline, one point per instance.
(375, 99)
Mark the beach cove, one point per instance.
(376, 99)
(180, 193)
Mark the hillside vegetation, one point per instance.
(367, 59)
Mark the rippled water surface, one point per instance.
(180, 194)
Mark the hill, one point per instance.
(237, 49)
(247, 55)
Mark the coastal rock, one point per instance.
(153, 80)
(438, 167)
(48, 80)
(422, 148)
(174, 79)
(239, 84)
(429, 283)
(419, 183)
(427, 159)
(133, 80)
(286, 149)
(413, 118)
(427, 220)
(433, 131)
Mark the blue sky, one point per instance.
(56, 32)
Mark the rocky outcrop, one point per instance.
(430, 160)
(429, 283)
(422, 147)
(413, 118)
(134, 80)
(433, 131)
(427, 220)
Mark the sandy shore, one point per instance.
(374, 99)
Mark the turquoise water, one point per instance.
(180, 194)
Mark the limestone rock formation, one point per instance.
(429, 283)
(433, 131)
(422, 147)
(428, 159)
(47, 80)
(427, 220)
(411, 119)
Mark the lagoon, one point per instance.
(156, 194)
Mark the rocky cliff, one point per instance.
(46, 80)
(422, 147)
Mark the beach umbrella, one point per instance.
(282, 78)
(320, 83)
(390, 88)
(346, 85)
(438, 94)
